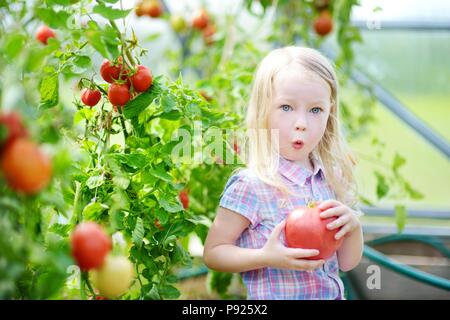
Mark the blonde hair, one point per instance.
(262, 157)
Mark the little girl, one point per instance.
(296, 153)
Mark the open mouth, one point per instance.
(298, 144)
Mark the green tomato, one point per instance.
(114, 277)
(178, 23)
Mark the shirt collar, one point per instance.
(298, 173)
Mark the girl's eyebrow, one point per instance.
(281, 100)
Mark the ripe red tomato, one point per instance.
(114, 277)
(119, 94)
(158, 225)
(154, 8)
(151, 8)
(43, 33)
(307, 230)
(25, 168)
(323, 25)
(142, 79)
(200, 20)
(184, 198)
(111, 73)
(12, 122)
(90, 97)
(90, 245)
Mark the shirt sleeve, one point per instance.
(239, 196)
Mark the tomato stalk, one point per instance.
(124, 128)
(124, 47)
(84, 281)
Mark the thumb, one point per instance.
(278, 229)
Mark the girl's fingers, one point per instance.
(308, 264)
(342, 232)
(336, 211)
(329, 204)
(278, 229)
(338, 222)
(302, 253)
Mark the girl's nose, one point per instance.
(300, 128)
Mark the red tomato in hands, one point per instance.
(119, 94)
(90, 245)
(43, 33)
(142, 79)
(307, 230)
(90, 97)
(15, 129)
(25, 168)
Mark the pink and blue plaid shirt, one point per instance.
(264, 207)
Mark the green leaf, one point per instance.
(135, 160)
(82, 61)
(138, 232)
(414, 194)
(219, 282)
(168, 103)
(140, 103)
(170, 204)
(153, 293)
(382, 187)
(49, 92)
(398, 162)
(121, 181)
(400, 216)
(60, 229)
(169, 292)
(94, 182)
(14, 44)
(110, 13)
(162, 216)
(54, 19)
(96, 41)
(94, 210)
(172, 115)
(161, 174)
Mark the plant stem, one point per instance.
(127, 51)
(122, 122)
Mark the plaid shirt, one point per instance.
(264, 207)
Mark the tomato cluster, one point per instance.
(151, 8)
(25, 167)
(91, 246)
(203, 22)
(125, 83)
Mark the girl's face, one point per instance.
(300, 109)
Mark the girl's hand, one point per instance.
(276, 255)
(347, 218)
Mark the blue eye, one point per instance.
(320, 109)
(286, 107)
